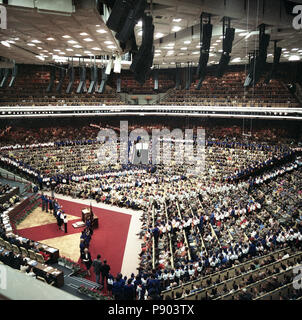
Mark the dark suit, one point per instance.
(87, 258)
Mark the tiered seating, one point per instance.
(31, 88)
(229, 91)
(213, 286)
(131, 86)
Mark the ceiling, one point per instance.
(40, 36)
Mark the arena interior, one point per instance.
(150, 150)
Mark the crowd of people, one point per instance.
(245, 204)
(230, 91)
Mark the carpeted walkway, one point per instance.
(108, 240)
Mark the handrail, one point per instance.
(170, 240)
(184, 233)
(153, 240)
(242, 276)
(228, 270)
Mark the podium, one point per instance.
(86, 214)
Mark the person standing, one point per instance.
(65, 222)
(86, 258)
(43, 201)
(105, 269)
(97, 265)
(46, 203)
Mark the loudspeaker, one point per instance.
(119, 14)
(223, 63)
(52, 79)
(71, 79)
(258, 64)
(202, 66)
(132, 18)
(228, 41)
(277, 56)
(207, 30)
(143, 60)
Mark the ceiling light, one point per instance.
(157, 55)
(5, 43)
(295, 49)
(66, 37)
(195, 52)
(77, 46)
(62, 53)
(96, 48)
(101, 31)
(294, 58)
(50, 39)
(111, 47)
(69, 49)
(35, 41)
(187, 42)
(236, 59)
(176, 29)
(170, 52)
(157, 50)
(78, 55)
(184, 48)
(31, 44)
(83, 34)
(177, 20)
(40, 57)
(88, 39)
(159, 35)
(72, 41)
(56, 50)
(108, 42)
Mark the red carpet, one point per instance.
(108, 240)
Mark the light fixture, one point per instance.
(83, 34)
(88, 39)
(96, 48)
(176, 29)
(5, 43)
(69, 49)
(159, 35)
(176, 20)
(294, 58)
(109, 67)
(35, 41)
(50, 39)
(77, 46)
(111, 47)
(101, 31)
(66, 37)
(72, 41)
(117, 65)
(187, 42)
(108, 42)
(31, 44)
